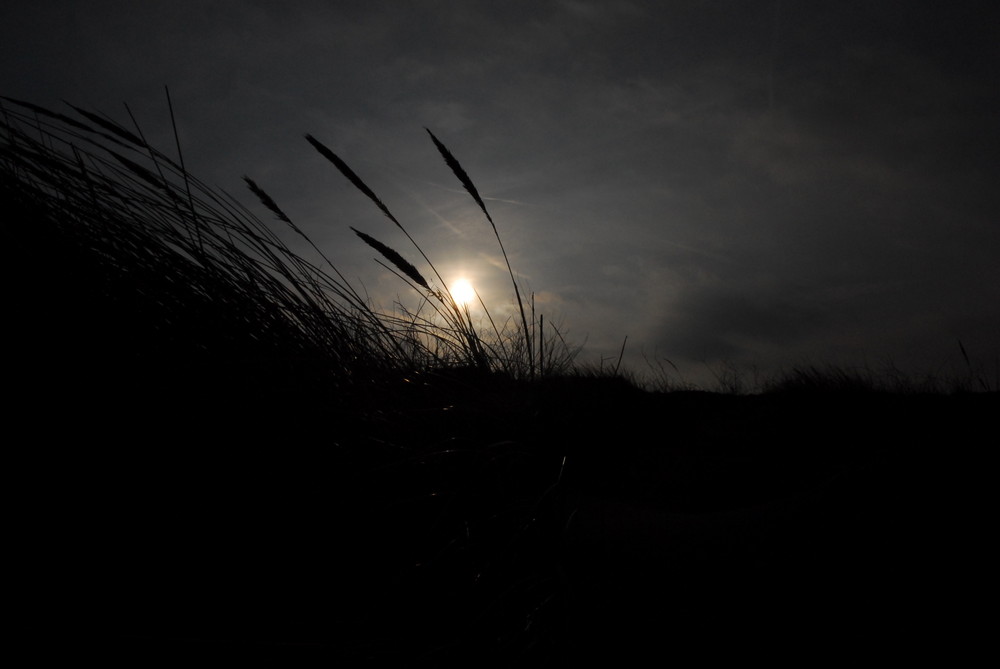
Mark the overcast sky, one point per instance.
(760, 182)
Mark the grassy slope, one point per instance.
(184, 487)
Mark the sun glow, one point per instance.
(462, 291)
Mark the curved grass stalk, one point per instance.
(463, 177)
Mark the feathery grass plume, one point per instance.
(392, 256)
(462, 175)
(266, 200)
(351, 176)
(344, 288)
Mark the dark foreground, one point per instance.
(475, 522)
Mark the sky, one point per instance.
(757, 184)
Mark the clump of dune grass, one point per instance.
(150, 225)
(136, 276)
(865, 380)
(829, 379)
(511, 350)
(144, 301)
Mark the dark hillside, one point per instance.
(198, 473)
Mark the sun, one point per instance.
(463, 292)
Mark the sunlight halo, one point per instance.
(463, 292)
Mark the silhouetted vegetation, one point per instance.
(223, 447)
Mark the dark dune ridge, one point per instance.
(189, 483)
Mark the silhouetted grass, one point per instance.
(221, 446)
(130, 201)
(212, 392)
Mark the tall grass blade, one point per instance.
(184, 172)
